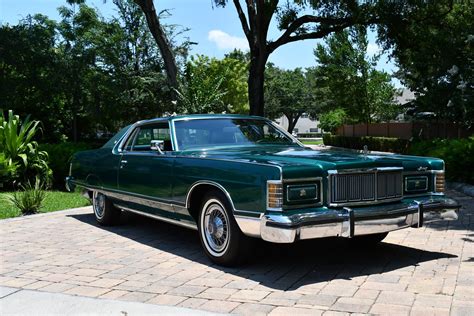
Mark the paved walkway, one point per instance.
(416, 271)
(29, 302)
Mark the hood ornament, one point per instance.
(366, 151)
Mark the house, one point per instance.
(304, 125)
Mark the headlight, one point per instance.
(439, 182)
(274, 195)
(415, 184)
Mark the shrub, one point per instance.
(29, 199)
(458, 155)
(60, 156)
(389, 144)
(19, 148)
(8, 171)
(331, 120)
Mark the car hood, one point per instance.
(294, 157)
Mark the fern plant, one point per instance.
(28, 200)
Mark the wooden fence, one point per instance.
(405, 130)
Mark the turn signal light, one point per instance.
(274, 195)
(439, 182)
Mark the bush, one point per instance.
(29, 200)
(20, 150)
(458, 155)
(331, 120)
(60, 157)
(389, 144)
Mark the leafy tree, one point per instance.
(287, 93)
(161, 37)
(331, 120)
(352, 83)
(435, 58)
(301, 20)
(232, 71)
(31, 72)
(199, 92)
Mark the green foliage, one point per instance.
(53, 201)
(20, 150)
(434, 52)
(8, 171)
(458, 155)
(287, 93)
(331, 120)
(29, 199)
(85, 75)
(389, 144)
(350, 79)
(60, 156)
(211, 85)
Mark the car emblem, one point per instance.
(302, 192)
(422, 168)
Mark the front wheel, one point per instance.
(105, 212)
(220, 235)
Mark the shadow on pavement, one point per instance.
(308, 262)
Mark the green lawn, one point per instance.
(54, 201)
(311, 142)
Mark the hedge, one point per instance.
(458, 154)
(389, 144)
(59, 158)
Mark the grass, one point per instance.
(311, 142)
(54, 201)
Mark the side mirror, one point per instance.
(158, 145)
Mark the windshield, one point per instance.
(227, 131)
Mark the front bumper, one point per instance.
(350, 222)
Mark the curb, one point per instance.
(53, 213)
(465, 188)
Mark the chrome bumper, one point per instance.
(349, 222)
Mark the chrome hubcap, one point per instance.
(99, 204)
(216, 227)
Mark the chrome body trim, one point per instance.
(250, 226)
(374, 170)
(160, 218)
(207, 182)
(349, 222)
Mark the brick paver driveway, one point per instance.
(417, 271)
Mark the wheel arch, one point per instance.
(196, 192)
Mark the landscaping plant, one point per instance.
(19, 149)
(28, 200)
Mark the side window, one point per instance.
(141, 138)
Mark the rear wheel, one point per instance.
(220, 235)
(105, 212)
(367, 240)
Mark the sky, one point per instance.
(215, 30)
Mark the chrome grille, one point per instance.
(369, 186)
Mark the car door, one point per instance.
(144, 175)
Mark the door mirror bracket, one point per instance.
(158, 145)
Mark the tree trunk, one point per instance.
(255, 82)
(161, 39)
(292, 122)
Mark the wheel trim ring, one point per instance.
(214, 205)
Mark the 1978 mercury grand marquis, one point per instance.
(235, 177)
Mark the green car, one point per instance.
(235, 178)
